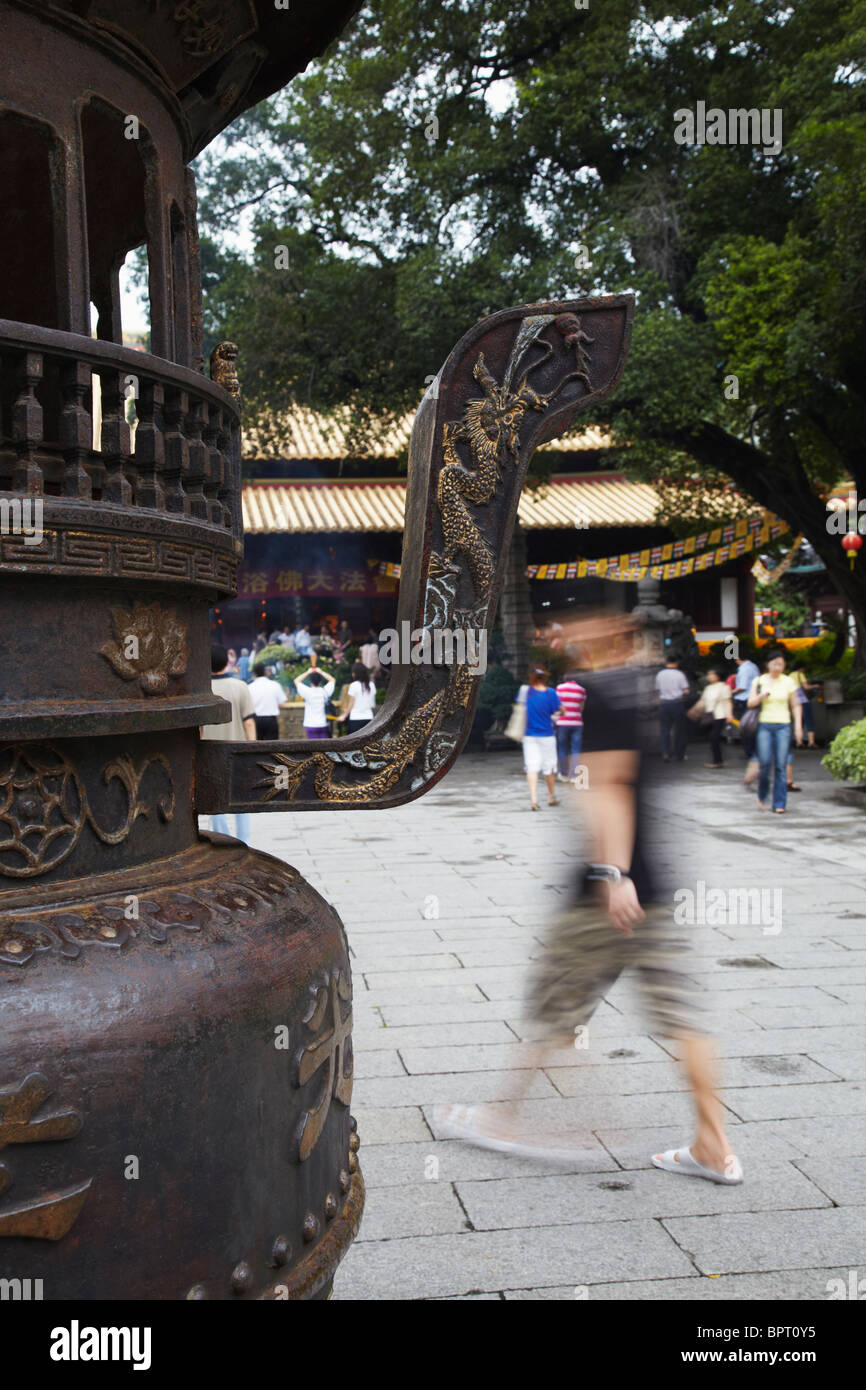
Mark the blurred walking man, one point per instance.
(622, 915)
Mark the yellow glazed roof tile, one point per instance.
(332, 505)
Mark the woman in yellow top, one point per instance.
(777, 697)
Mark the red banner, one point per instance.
(340, 581)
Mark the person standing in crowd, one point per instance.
(716, 701)
(539, 739)
(268, 699)
(244, 664)
(315, 691)
(344, 634)
(232, 661)
(261, 641)
(775, 694)
(369, 653)
(747, 674)
(569, 726)
(621, 914)
(241, 726)
(361, 699)
(672, 689)
(807, 690)
(302, 642)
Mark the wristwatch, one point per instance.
(605, 873)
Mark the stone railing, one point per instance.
(180, 455)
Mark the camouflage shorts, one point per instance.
(584, 955)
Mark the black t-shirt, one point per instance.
(619, 702)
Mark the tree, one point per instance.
(458, 156)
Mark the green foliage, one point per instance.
(854, 685)
(784, 599)
(846, 756)
(273, 653)
(293, 665)
(817, 659)
(555, 131)
(496, 696)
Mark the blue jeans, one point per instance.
(774, 741)
(220, 825)
(673, 728)
(569, 738)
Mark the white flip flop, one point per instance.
(461, 1122)
(681, 1161)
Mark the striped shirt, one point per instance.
(572, 697)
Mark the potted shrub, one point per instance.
(846, 756)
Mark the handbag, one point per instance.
(749, 721)
(516, 726)
(702, 716)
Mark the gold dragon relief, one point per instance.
(489, 429)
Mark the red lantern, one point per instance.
(852, 543)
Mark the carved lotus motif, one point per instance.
(42, 810)
(150, 645)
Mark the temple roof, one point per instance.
(584, 501)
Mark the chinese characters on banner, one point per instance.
(339, 581)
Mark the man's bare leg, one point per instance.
(501, 1119)
(711, 1148)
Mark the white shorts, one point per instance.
(539, 754)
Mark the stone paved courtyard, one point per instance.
(443, 901)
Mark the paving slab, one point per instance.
(473, 1036)
(450, 1011)
(840, 1136)
(441, 998)
(754, 1144)
(795, 1284)
(512, 1055)
(848, 1065)
(460, 1087)
(374, 964)
(390, 1165)
(397, 943)
(771, 1240)
(584, 1114)
(389, 1125)
(418, 1209)
(787, 1102)
(843, 1180)
(480, 1261)
(376, 1062)
(573, 1199)
(806, 1042)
